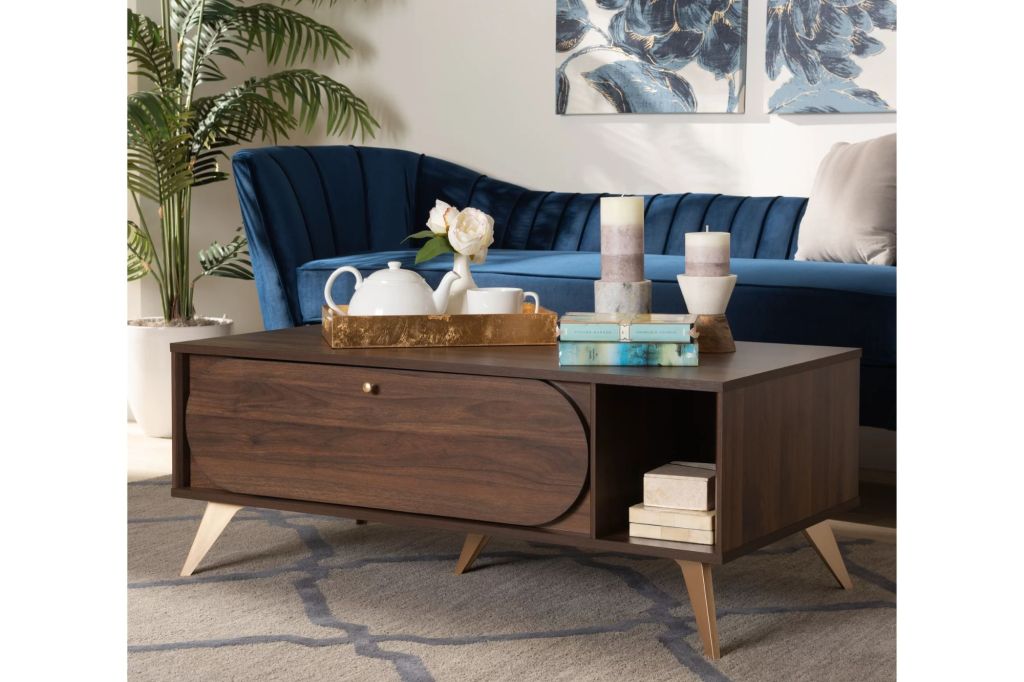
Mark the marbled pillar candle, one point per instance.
(622, 239)
(707, 254)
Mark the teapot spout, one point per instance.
(443, 291)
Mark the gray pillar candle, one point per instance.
(622, 239)
(707, 254)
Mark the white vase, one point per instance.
(149, 369)
(457, 304)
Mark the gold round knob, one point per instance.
(368, 387)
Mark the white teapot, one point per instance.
(392, 292)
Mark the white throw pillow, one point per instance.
(851, 214)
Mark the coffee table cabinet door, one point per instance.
(492, 449)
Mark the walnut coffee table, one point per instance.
(502, 441)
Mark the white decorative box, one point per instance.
(672, 518)
(681, 485)
(700, 537)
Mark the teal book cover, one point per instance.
(589, 332)
(629, 327)
(581, 353)
(671, 333)
(675, 333)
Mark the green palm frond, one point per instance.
(228, 260)
(239, 115)
(186, 15)
(206, 167)
(212, 41)
(158, 147)
(207, 32)
(148, 53)
(306, 93)
(284, 34)
(140, 253)
(280, 33)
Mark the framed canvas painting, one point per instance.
(650, 56)
(831, 56)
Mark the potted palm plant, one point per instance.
(178, 131)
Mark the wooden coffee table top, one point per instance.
(750, 364)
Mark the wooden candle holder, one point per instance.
(715, 335)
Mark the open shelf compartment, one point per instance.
(637, 430)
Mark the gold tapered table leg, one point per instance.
(470, 551)
(702, 598)
(215, 519)
(824, 542)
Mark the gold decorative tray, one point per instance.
(407, 331)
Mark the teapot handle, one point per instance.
(330, 282)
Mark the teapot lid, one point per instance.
(394, 275)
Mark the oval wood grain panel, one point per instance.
(503, 450)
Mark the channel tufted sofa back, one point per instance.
(306, 203)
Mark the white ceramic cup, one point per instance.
(499, 300)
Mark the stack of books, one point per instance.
(679, 504)
(627, 340)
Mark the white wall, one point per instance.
(473, 81)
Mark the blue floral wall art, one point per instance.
(650, 56)
(831, 56)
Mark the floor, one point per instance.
(875, 519)
(288, 596)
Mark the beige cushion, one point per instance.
(851, 214)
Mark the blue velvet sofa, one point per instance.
(309, 210)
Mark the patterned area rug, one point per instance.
(285, 596)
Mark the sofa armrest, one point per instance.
(274, 304)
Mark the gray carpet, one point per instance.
(286, 596)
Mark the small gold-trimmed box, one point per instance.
(528, 328)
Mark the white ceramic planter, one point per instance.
(149, 370)
(706, 295)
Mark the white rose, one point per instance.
(478, 257)
(442, 217)
(472, 233)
